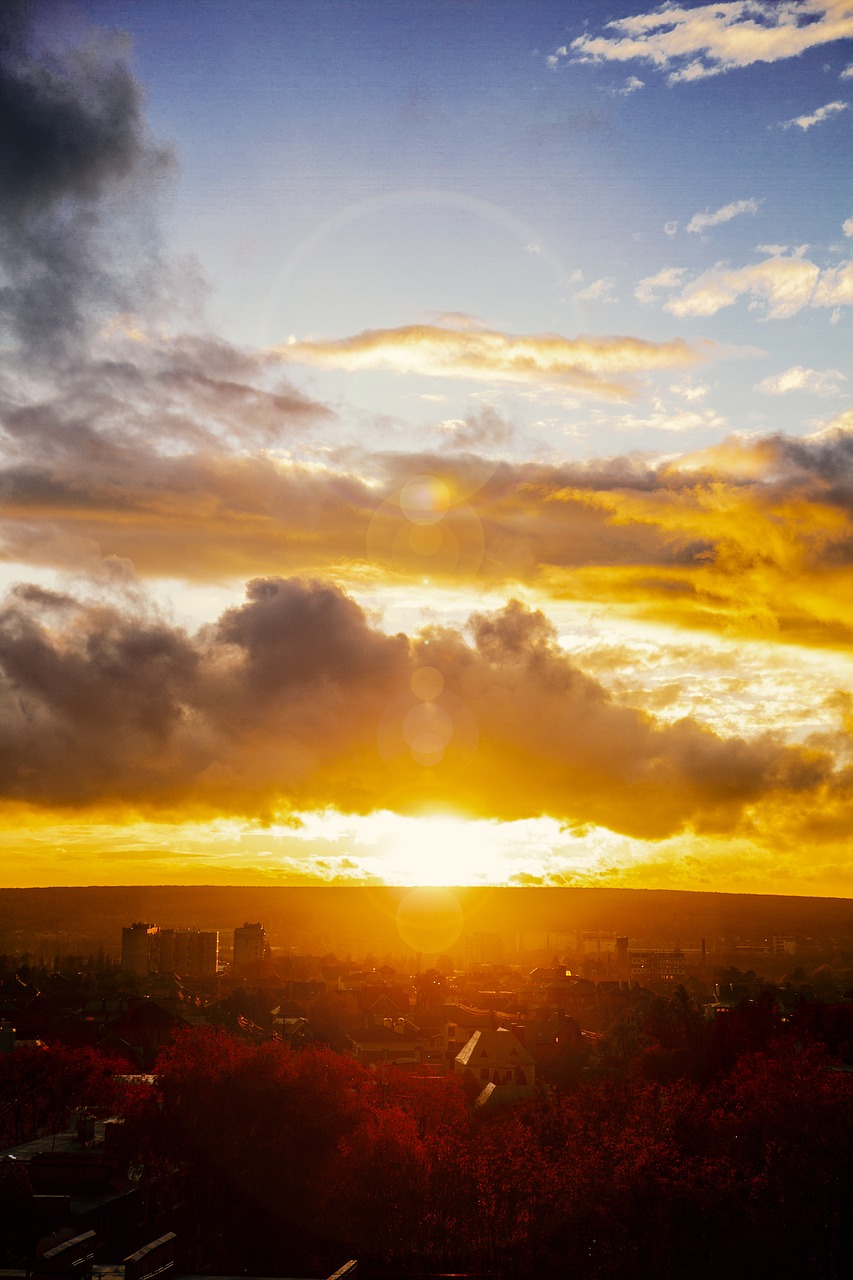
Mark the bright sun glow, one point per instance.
(439, 850)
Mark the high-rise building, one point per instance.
(249, 945)
(188, 952)
(139, 948)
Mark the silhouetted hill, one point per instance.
(355, 920)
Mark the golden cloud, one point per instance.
(599, 366)
(752, 536)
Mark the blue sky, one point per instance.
(357, 166)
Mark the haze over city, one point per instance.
(426, 445)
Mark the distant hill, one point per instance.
(355, 920)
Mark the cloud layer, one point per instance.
(752, 536)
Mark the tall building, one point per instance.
(249, 945)
(139, 949)
(188, 952)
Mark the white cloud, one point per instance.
(821, 381)
(631, 85)
(781, 285)
(847, 226)
(690, 391)
(691, 44)
(818, 117)
(670, 228)
(701, 221)
(847, 73)
(646, 290)
(599, 291)
(662, 419)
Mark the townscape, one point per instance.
(550, 1096)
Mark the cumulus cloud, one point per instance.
(701, 221)
(781, 286)
(817, 117)
(821, 381)
(709, 39)
(847, 226)
(600, 366)
(286, 700)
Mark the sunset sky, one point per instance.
(426, 443)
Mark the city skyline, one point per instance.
(426, 444)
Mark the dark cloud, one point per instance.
(73, 149)
(280, 705)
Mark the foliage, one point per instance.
(41, 1086)
(291, 1161)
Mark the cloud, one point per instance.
(709, 39)
(781, 285)
(752, 537)
(646, 290)
(817, 117)
(821, 381)
(631, 85)
(599, 366)
(483, 429)
(294, 700)
(79, 166)
(847, 226)
(847, 73)
(701, 221)
(670, 228)
(598, 291)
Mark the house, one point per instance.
(499, 1058)
(389, 1040)
(447, 1028)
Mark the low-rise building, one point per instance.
(499, 1058)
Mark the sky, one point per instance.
(426, 443)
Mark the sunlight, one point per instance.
(441, 850)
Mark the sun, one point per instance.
(439, 849)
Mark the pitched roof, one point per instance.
(494, 1048)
